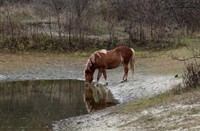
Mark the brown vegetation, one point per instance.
(191, 76)
(62, 25)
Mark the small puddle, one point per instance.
(36, 104)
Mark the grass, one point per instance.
(80, 54)
(190, 41)
(181, 51)
(175, 113)
(161, 99)
(143, 119)
(142, 104)
(195, 111)
(148, 53)
(183, 118)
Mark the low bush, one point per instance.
(191, 77)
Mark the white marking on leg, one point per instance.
(122, 59)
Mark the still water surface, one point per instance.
(36, 104)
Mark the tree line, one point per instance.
(70, 24)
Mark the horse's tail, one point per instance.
(132, 61)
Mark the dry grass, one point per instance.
(167, 111)
(160, 65)
(18, 62)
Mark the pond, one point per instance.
(36, 104)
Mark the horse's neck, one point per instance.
(91, 68)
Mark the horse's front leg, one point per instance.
(99, 76)
(105, 76)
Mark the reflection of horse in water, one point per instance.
(97, 98)
(111, 59)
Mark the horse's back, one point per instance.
(112, 58)
(125, 52)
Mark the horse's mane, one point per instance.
(92, 59)
(90, 62)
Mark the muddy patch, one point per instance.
(142, 86)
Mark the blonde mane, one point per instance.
(90, 60)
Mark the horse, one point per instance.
(109, 59)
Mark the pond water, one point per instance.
(36, 104)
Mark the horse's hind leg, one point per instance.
(125, 73)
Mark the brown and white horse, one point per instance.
(103, 59)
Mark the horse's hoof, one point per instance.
(124, 81)
(97, 85)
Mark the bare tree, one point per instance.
(184, 12)
(80, 7)
(58, 7)
(69, 20)
(55, 8)
(156, 20)
(9, 24)
(150, 23)
(109, 15)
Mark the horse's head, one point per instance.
(89, 71)
(88, 76)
